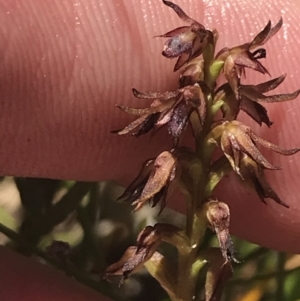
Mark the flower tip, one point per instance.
(176, 68)
(285, 205)
(135, 92)
(280, 22)
(281, 78)
(115, 132)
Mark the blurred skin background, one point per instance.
(65, 64)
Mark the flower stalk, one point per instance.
(211, 112)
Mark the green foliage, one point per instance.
(259, 269)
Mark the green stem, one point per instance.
(189, 216)
(196, 219)
(186, 281)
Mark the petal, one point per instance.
(132, 125)
(166, 116)
(130, 262)
(198, 45)
(158, 108)
(147, 125)
(147, 237)
(279, 97)
(134, 190)
(270, 85)
(174, 32)
(273, 30)
(232, 75)
(266, 34)
(245, 59)
(273, 147)
(184, 58)
(155, 95)
(181, 14)
(260, 37)
(162, 197)
(192, 73)
(163, 170)
(251, 93)
(253, 174)
(135, 257)
(230, 107)
(174, 236)
(255, 111)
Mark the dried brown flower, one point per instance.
(254, 177)
(218, 216)
(171, 108)
(147, 243)
(236, 139)
(197, 102)
(238, 58)
(187, 42)
(135, 256)
(153, 181)
(250, 98)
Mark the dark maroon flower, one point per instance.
(251, 97)
(236, 139)
(153, 181)
(135, 256)
(171, 108)
(147, 243)
(238, 58)
(186, 42)
(254, 177)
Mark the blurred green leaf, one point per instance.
(36, 194)
(7, 220)
(38, 225)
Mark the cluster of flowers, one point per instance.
(197, 102)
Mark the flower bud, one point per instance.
(218, 216)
